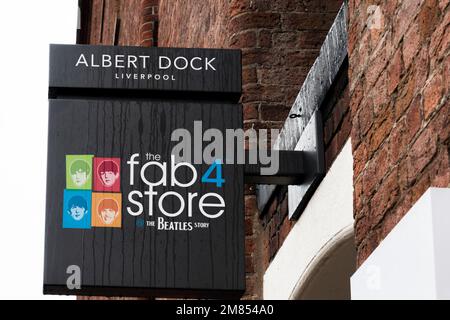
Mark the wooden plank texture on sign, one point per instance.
(136, 259)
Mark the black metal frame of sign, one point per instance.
(114, 219)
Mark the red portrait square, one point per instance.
(106, 174)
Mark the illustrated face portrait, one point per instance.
(108, 172)
(79, 171)
(77, 208)
(108, 210)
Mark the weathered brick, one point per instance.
(250, 111)
(284, 207)
(421, 153)
(249, 75)
(397, 141)
(413, 118)
(428, 18)
(249, 245)
(432, 94)
(420, 69)
(240, 6)
(360, 157)
(379, 96)
(389, 8)
(332, 6)
(406, 13)
(272, 208)
(395, 71)
(440, 174)
(306, 21)
(403, 170)
(439, 36)
(274, 112)
(446, 73)
(385, 197)
(376, 170)
(248, 226)
(285, 228)
(358, 197)
(250, 20)
(362, 226)
(268, 93)
(419, 186)
(245, 39)
(366, 247)
(405, 96)
(249, 264)
(264, 39)
(356, 96)
(331, 151)
(353, 37)
(392, 217)
(297, 58)
(250, 205)
(250, 285)
(307, 6)
(301, 39)
(259, 56)
(354, 134)
(376, 66)
(411, 44)
(365, 117)
(380, 132)
(273, 245)
(443, 4)
(282, 76)
(440, 123)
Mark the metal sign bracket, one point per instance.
(302, 168)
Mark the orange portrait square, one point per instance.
(107, 210)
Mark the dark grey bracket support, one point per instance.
(291, 169)
(311, 144)
(296, 167)
(303, 167)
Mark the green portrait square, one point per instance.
(79, 172)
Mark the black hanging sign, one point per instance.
(124, 216)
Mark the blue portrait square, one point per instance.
(77, 209)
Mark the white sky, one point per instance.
(26, 29)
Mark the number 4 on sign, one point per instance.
(218, 180)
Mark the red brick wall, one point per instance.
(336, 115)
(193, 23)
(138, 22)
(279, 40)
(399, 87)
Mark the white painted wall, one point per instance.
(413, 261)
(328, 216)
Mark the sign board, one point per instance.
(124, 216)
(201, 71)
